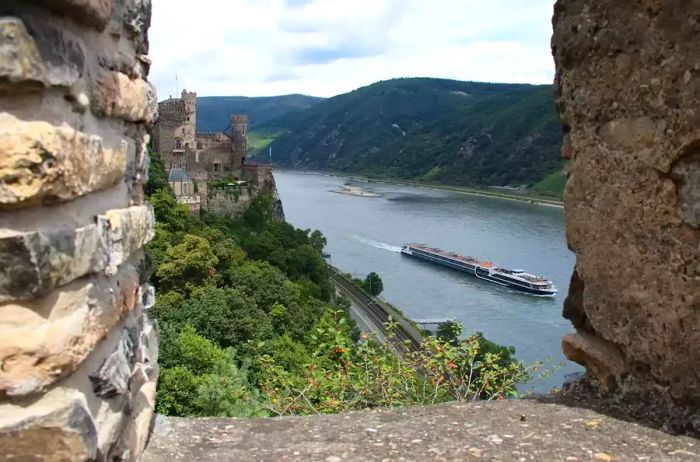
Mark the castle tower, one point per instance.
(189, 128)
(239, 139)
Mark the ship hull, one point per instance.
(479, 273)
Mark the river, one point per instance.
(365, 234)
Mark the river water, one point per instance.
(365, 234)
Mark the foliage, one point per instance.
(248, 328)
(373, 284)
(157, 176)
(443, 131)
(553, 183)
(342, 376)
(200, 379)
(192, 262)
(449, 332)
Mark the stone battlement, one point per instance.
(79, 355)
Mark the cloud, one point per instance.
(326, 47)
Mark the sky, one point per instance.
(328, 47)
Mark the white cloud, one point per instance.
(326, 47)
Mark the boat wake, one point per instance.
(377, 244)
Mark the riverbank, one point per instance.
(529, 197)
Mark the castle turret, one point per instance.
(189, 128)
(239, 138)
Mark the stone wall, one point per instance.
(78, 356)
(231, 201)
(628, 91)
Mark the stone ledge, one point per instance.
(502, 430)
(44, 163)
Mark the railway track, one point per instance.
(403, 341)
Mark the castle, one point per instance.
(209, 170)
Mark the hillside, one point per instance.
(214, 112)
(436, 130)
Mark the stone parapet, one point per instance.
(509, 430)
(627, 88)
(78, 354)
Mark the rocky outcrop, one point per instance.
(78, 354)
(628, 92)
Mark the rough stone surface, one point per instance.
(44, 163)
(20, 60)
(47, 339)
(602, 358)
(503, 430)
(628, 90)
(116, 95)
(37, 262)
(63, 432)
(78, 355)
(96, 13)
(112, 378)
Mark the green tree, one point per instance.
(187, 265)
(157, 176)
(318, 240)
(176, 217)
(178, 389)
(449, 332)
(373, 284)
(227, 391)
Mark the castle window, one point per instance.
(217, 166)
(184, 189)
(178, 143)
(199, 145)
(187, 145)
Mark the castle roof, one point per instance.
(178, 175)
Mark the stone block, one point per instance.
(95, 13)
(60, 431)
(116, 95)
(35, 263)
(62, 52)
(135, 435)
(129, 229)
(20, 60)
(41, 163)
(112, 378)
(602, 358)
(48, 339)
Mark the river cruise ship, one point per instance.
(515, 279)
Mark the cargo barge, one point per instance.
(515, 279)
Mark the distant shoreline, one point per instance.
(528, 198)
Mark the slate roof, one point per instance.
(178, 175)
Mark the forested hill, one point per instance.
(214, 112)
(435, 130)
